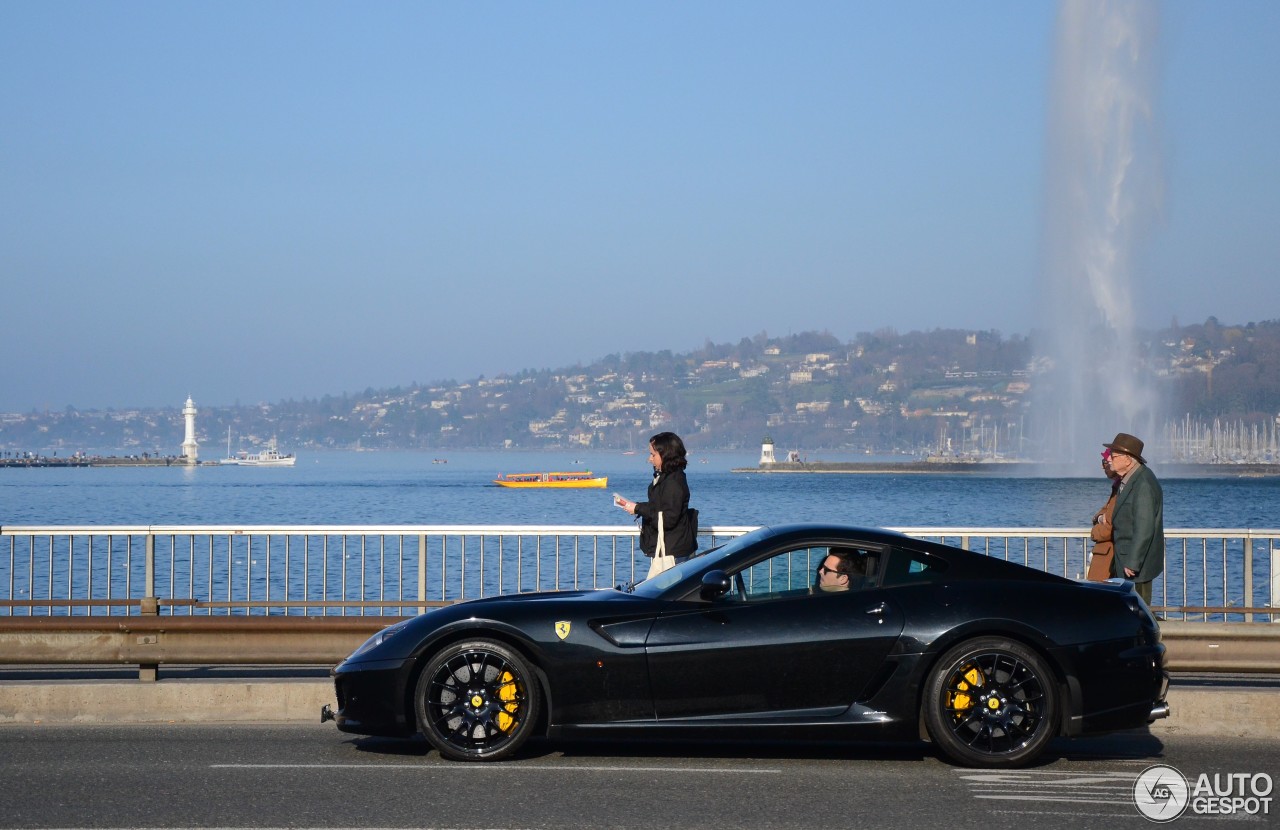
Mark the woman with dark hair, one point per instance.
(668, 501)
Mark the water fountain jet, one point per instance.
(1102, 188)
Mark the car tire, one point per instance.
(991, 702)
(477, 701)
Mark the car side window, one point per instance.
(907, 567)
(794, 572)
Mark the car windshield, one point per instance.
(697, 564)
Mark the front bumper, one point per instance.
(373, 698)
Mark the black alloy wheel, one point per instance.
(477, 701)
(991, 702)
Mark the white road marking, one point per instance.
(502, 768)
(1056, 799)
(1112, 814)
(1108, 788)
(1018, 776)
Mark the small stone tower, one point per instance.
(190, 450)
(766, 451)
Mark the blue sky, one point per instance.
(259, 201)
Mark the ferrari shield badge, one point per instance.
(562, 629)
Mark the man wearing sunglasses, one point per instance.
(838, 570)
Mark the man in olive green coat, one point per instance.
(1137, 525)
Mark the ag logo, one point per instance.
(562, 629)
(1161, 793)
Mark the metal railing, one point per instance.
(1210, 575)
(320, 570)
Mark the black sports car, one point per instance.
(787, 632)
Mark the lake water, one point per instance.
(408, 488)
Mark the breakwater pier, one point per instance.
(997, 468)
(42, 461)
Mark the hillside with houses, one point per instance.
(940, 391)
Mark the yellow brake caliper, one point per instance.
(962, 698)
(507, 694)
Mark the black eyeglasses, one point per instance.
(823, 569)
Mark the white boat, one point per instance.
(270, 457)
(230, 459)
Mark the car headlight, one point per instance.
(378, 639)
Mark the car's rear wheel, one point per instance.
(991, 702)
(477, 701)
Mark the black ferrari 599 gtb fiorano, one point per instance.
(988, 659)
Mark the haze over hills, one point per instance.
(945, 391)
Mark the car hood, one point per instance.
(405, 638)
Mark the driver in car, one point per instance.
(838, 570)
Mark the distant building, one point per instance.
(766, 451)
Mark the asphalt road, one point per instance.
(313, 776)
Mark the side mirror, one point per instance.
(715, 583)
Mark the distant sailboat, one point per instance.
(230, 459)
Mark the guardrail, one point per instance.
(1222, 575)
(1210, 575)
(325, 570)
(152, 595)
(311, 569)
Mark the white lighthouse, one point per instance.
(766, 451)
(190, 450)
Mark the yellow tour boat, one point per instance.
(583, 479)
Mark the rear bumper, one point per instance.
(1117, 688)
(1160, 709)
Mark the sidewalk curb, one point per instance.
(1216, 712)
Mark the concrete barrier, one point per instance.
(1217, 712)
(165, 701)
(326, 641)
(1222, 713)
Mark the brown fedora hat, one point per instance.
(1127, 444)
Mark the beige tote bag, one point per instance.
(661, 561)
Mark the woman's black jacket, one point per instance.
(668, 494)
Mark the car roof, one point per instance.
(965, 563)
(880, 535)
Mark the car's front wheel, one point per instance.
(991, 702)
(477, 701)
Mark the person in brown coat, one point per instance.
(1104, 550)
